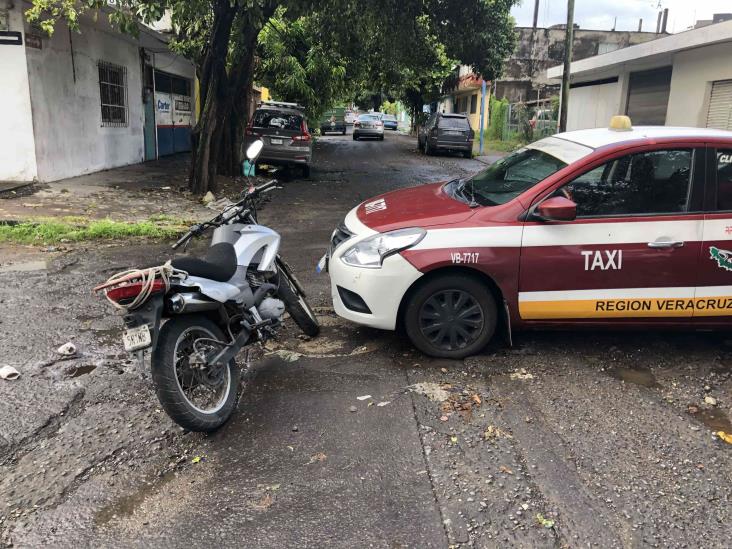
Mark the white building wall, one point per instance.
(70, 138)
(593, 106)
(17, 146)
(691, 83)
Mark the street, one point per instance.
(564, 439)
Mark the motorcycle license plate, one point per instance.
(138, 338)
(276, 141)
(322, 264)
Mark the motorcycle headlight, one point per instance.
(371, 251)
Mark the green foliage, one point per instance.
(498, 114)
(49, 231)
(390, 107)
(298, 65)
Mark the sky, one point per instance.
(600, 14)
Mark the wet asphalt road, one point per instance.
(566, 439)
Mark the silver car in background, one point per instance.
(368, 125)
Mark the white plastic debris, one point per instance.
(9, 373)
(364, 397)
(67, 349)
(383, 403)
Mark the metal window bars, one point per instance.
(113, 94)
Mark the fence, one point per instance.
(521, 122)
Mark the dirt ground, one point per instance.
(566, 439)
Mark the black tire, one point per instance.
(293, 297)
(381, 138)
(305, 169)
(427, 148)
(478, 313)
(355, 137)
(468, 154)
(167, 386)
(343, 132)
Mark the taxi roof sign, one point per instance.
(621, 123)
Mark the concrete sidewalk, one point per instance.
(129, 193)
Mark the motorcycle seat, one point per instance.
(218, 264)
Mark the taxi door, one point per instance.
(631, 253)
(714, 290)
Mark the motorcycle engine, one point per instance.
(271, 309)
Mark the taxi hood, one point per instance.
(421, 206)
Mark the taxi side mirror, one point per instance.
(557, 208)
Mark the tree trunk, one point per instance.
(206, 135)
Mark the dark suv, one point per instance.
(446, 132)
(283, 129)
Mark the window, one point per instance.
(724, 179)
(113, 94)
(473, 103)
(512, 175)
(454, 122)
(277, 119)
(648, 183)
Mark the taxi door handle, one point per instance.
(666, 244)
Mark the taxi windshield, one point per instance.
(509, 177)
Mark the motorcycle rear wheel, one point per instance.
(175, 379)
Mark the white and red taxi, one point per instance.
(606, 227)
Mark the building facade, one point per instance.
(683, 79)
(77, 103)
(466, 98)
(524, 75)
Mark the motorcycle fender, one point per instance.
(149, 313)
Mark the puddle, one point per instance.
(714, 418)
(83, 370)
(637, 376)
(25, 267)
(126, 506)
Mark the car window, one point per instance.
(454, 123)
(653, 182)
(724, 179)
(277, 119)
(512, 175)
(368, 117)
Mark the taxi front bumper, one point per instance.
(379, 290)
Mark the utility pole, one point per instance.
(536, 14)
(568, 43)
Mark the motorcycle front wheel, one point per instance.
(293, 296)
(195, 396)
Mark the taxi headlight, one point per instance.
(371, 251)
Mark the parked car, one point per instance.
(593, 228)
(333, 121)
(283, 129)
(446, 132)
(368, 125)
(390, 122)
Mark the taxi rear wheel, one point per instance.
(452, 316)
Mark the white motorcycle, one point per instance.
(197, 314)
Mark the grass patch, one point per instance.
(76, 229)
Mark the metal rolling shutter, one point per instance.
(720, 106)
(648, 96)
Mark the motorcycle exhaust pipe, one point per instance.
(191, 303)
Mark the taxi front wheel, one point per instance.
(451, 316)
